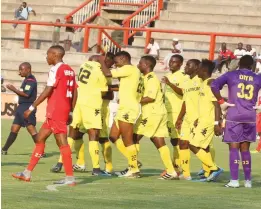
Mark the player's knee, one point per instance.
(183, 144)
(174, 142)
(113, 139)
(103, 140)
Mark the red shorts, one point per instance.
(57, 127)
(258, 123)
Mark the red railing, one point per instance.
(148, 31)
(142, 17)
(85, 12)
(106, 44)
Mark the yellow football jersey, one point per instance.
(91, 84)
(129, 82)
(206, 107)
(191, 97)
(173, 101)
(152, 89)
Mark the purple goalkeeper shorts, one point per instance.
(239, 132)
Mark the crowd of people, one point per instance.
(185, 106)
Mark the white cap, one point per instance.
(175, 39)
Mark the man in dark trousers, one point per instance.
(27, 95)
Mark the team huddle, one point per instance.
(185, 106)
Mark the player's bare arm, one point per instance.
(171, 85)
(218, 119)
(181, 116)
(114, 87)
(105, 70)
(13, 89)
(146, 100)
(46, 93)
(108, 95)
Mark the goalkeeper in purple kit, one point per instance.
(240, 130)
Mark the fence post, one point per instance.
(148, 36)
(100, 6)
(99, 41)
(126, 33)
(27, 35)
(85, 46)
(212, 46)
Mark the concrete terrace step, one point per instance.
(221, 2)
(73, 3)
(207, 27)
(44, 17)
(205, 8)
(211, 18)
(190, 44)
(40, 9)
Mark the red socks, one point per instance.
(37, 153)
(67, 159)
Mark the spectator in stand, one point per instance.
(3, 89)
(250, 51)
(258, 65)
(69, 32)
(225, 56)
(153, 49)
(239, 52)
(177, 49)
(56, 33)
(22, 12)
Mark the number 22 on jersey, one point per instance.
(246, 91)
(84, 75)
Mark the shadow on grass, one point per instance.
(16, 164)
(48, 154)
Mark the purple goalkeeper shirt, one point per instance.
(243, 87)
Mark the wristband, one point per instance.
(221, 101)
(31, 108)
(216, 123)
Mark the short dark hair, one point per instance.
(151, 60)
(209, 65)
(195, 61)
(246, 61)
(124, 54)
(110, 55)
(178, 56)
(27, 64)
(59, 48)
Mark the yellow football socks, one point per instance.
(70, 142)
(94, 153)
(166, 159)
(176, 160)
(212, 151)
(121, 147)
(206, 159)
(107, 155)
(132, 158)
(79, 148)
(184, 156)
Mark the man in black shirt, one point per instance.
(27, 95)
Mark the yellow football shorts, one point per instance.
(152, 126)
(173, 132)
(187, 130)
(127, 115)
(105, 116)
(86, 117)
(203, 137)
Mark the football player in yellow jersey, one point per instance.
(188, 115)
(105, 144)
(208, 123)
(128, 111)
(152, 122)
(173, 102)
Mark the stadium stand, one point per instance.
(235, 16)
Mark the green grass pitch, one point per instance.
(116, 193)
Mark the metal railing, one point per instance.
(148, 32)
(106, 43)
(85, 12)
(142, 17)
